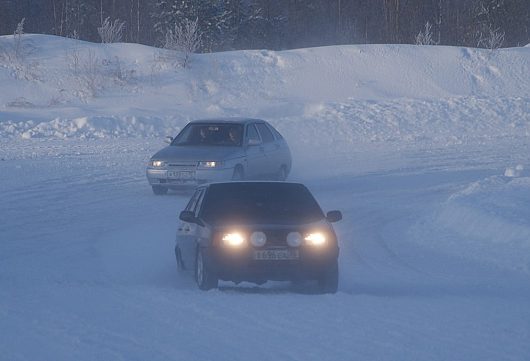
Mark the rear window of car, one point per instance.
(210, 134)
(260, 203)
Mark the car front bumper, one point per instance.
(240, 265)
(160, 177)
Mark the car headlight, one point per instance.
(157, 163)
(233, 239)
(315, 239)
(210, 164)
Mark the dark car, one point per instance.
(257, 231)
(218, 150)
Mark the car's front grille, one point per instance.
(182, 165)
(276, 238)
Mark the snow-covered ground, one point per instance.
(424, 149)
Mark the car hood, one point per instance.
(297, 226)
(192, 153)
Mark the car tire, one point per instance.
(282, 174)
(329, 281)
(205, 278)
(159, 190)
(238, 174)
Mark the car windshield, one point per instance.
(260, 203)
(210, 135)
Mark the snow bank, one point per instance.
(90, 128)
(444, 121)
(334, 126)
(487, 221)
(368, 93)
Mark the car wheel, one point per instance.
(329, 281)
(238, 174)
(159, 190)
(282, 174)
(178, 256)
(205, 278)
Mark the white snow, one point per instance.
(514, 171)
(424, 149)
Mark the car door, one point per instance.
(283, 152)
(187, 232)
(255, 153)
(271, 148)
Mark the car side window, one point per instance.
(276, 133)
(266, 134)
(199, 202)
(193, 201)
(252, 133)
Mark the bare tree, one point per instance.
(14, 56)
(73, 54)
(185, 38)
(111, 32)
(425, 37)
(19, 52)
(493, 39)
(90, 77)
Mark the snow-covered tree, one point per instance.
(185, 38)
(18, 45)
(493, 39)
(111, 32)
(19, 49)
(262, 25)
(425, 37)
(213, 19)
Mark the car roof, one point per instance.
(228, 120)
(207, 185)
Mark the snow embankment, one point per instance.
(487, 221)
(334, 125)
(72, 89)
(95, 127)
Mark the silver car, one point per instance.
(216, 150)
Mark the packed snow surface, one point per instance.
(425, 150)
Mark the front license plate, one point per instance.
(276, 254)
(180, 174)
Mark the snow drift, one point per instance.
(369, 93)
(486, 221)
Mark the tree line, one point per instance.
(278, 24)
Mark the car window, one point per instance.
(199, 202)
(260, 203)
(266, 134)
(275, 132)
(210, 134)
(193, 200)
(252, 133)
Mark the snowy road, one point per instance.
(87, 269)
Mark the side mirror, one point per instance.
(168, 139)
(254, 142)
(187, 216)
(334, 216)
